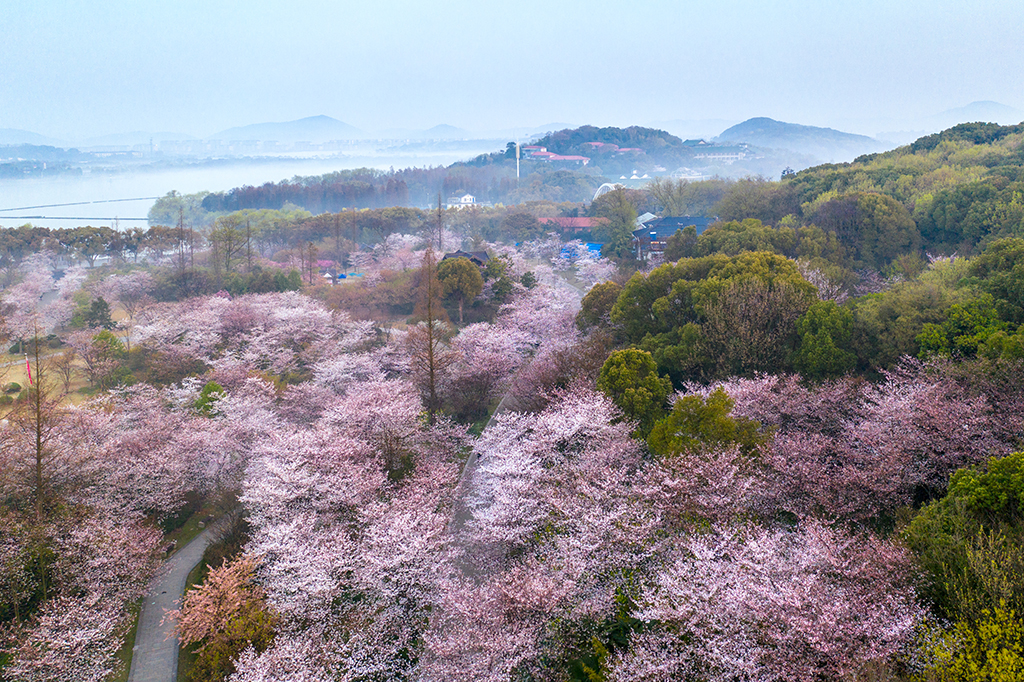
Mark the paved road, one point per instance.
(155, 657)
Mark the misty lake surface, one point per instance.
(33, 199)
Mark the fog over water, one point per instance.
(27, 193)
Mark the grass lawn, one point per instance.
(191, 528)
(12, 369)
(186, 655)
(124, 654)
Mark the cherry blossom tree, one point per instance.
(855, 450)
(224, 615)
(486, 357)
(103, 565)
(785, 604)
(553, 520)
(350, 517)
(277, 332)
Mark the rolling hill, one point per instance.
(824, 144)
(310, 129)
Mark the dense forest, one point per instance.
(788, 447)
(492, 182)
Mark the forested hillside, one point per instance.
(786, 448)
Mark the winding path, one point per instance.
(155, 656)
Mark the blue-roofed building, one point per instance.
(652, 236)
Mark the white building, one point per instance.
(464, 201)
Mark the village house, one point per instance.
(466, 200)
(650, 239)
(478, 258)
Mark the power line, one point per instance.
(63, 217)
(79, 203)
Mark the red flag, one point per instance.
(28, 368)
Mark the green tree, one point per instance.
(758, 198)
(969, 548)
(617, 233)
(999, 270)
(886, 326)
(228, 238)
(460, 280)
(105, 360)
(996, 491)
(85, 242)
(750, 326)
(735, 236)
(680, 197)
(630, 378)
(1002, 345)
(206, 403)
(822, 351)
(168, 208)
(682, 244)
(967, 327)
(521, 226)
(715, 314)
(970, 544)
(596, 307)
(497, 269)
(991, 650)
(98, 315)
(697, 424)
(876, 226)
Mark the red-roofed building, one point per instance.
(583, 160)
(558, 158)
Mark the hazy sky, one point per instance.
(77, 68)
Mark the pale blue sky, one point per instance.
(74, 68)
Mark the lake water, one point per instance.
(34, 199)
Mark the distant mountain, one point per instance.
(10, 136)
(688, 129)
(825, 144)
(905, 131)
(311, 129)
(446, 132)
(986, 112)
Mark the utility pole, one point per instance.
(440, 222)
(37, 412)
(431, 329)
(517, 164)
(312, 261)
(181, 242)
